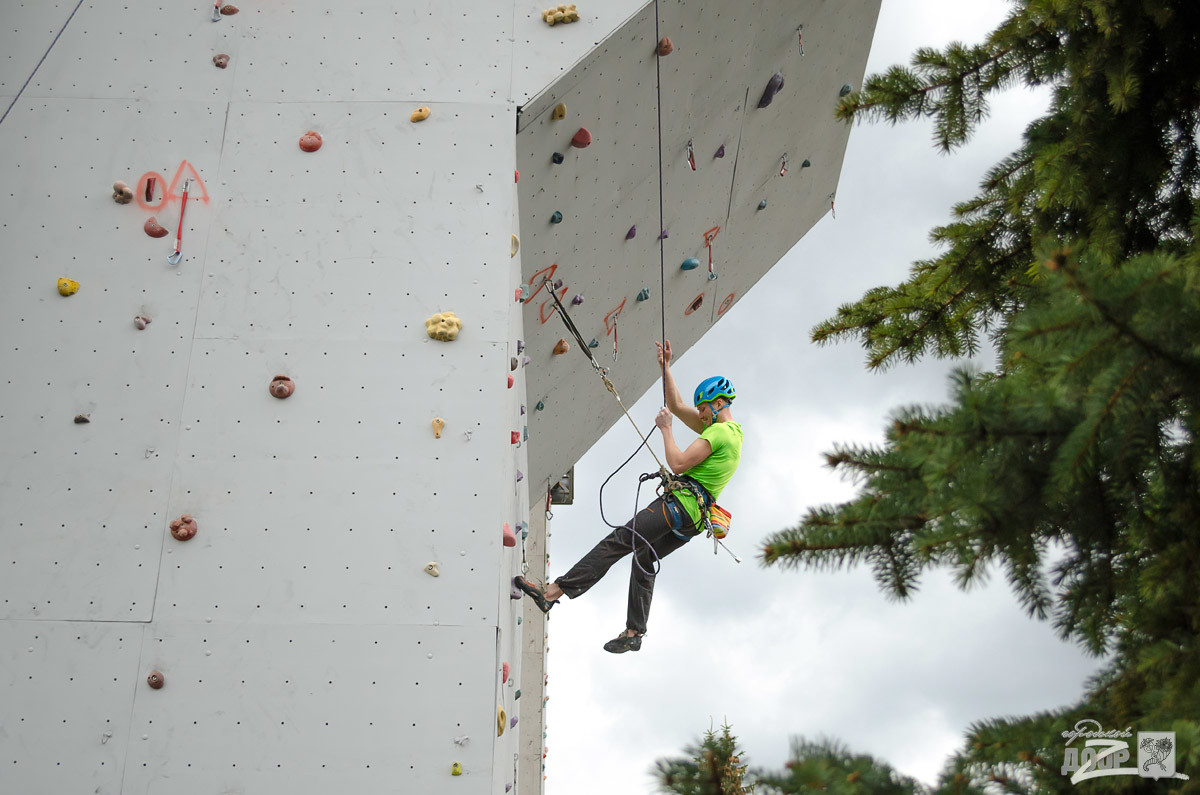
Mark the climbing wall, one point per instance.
(261, 497)
(590, 223)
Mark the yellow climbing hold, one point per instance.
(516, 246)
(501, 719)
(438, 424)
(560, 13)
(67, 286)
(443, 326)
(420, 114)
(456, 769)
(560, 112)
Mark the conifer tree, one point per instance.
(1071, 465)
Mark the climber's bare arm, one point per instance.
(680, 460)
(688, 415)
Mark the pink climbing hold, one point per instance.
(517, 295)
(582, 139)
(504, 673)
(510, 540)
(516, 176)
(773, 86)
(510, 381)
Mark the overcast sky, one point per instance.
(782, 653)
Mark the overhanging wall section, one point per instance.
(724, 55)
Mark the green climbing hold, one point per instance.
(690, 264)
(595, 343)
(556, 218)
(846, 89)
(806, 164)
(644, 294)
(518, 695)
(762, 205)
(541, 405)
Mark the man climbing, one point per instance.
(668, 522)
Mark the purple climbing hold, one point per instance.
(515, 593)
(558, 283)
(512, 722)
(632, 233)
(520, 476)
(720, 151)
(663, 235)
(577, 300)
(522, 408)
(773, 86)
(525, 360)
(520, 346)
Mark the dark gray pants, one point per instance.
(654, 524)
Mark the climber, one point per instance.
(670, 521)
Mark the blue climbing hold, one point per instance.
(773, 86)
(595, 343)
(712, 276)
(644, 294)
(690, 264)
(762, 205)
(556, 218)
(846, 89)
(557, 158)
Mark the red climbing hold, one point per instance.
(510, 539)
(515, 437)
(510, 381)
(154, 228)
(665, 46)
(282, 386)
(229, 10)
(582, 139)
(221, 60)
(504, 673)
(184, 527)
(310, 141)
(516, 175)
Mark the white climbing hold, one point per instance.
(431, 568)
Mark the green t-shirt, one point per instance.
(714, 472)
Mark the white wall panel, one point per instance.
(368, 236)
(26, 31)
(313, 709)
(66, 689)
(367, 51)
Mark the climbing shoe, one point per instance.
(623, 643)
(534, 593)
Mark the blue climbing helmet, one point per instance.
(712, 388)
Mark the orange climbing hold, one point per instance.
(420, 114)
(311, 141)
(666, 46)
(562, 347)
(582, 139)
